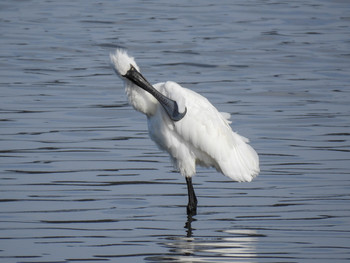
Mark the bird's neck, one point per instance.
(140, 99)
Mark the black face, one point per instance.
(169, 105)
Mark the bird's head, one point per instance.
(126, 67)
(122, 62)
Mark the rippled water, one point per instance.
(82, 182)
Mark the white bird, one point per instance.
(187, 126)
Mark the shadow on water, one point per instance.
(188, 225)
(228, 245)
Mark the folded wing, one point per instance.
(210, 138)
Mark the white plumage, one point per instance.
(202, 137)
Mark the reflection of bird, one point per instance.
(188, 127)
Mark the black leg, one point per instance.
(192, 199)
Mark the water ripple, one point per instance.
(82, 182)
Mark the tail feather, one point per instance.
(242, 164)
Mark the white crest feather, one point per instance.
(121, 61)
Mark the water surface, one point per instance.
(82, 182)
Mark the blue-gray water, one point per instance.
(80, 181)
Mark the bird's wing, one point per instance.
(207, 131)
(226, 116)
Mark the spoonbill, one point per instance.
(187, 126)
